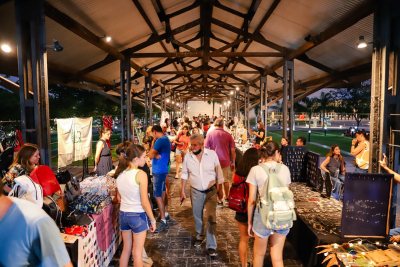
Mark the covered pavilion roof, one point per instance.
(201, 49)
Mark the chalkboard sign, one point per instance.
(312, 168)
(294, 157)
(366, 205)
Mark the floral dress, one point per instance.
(15, 171)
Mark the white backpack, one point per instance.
(26, 188)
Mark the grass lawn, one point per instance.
(115, 140)
(333, 137)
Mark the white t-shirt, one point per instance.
(129, 190)
(259, 177)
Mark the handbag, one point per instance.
(44, 176)
(72, 191)
(76, 217)
(64, 177)
(52, 209)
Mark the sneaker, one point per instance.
(212, 252)
(249, 264)
(226, 201)
(220, 205)
(167, 218)
(162, 226)
(197, 243)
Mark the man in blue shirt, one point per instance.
(160, 154)
(28, 236)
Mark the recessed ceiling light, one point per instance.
(6, 48)
(108, 39)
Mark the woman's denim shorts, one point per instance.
(261, 230)
(137, 222)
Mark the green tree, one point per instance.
(309, 105)
(10, 106)
(324, 104)
(356, 99)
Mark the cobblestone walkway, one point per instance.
(174, 247)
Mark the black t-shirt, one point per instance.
(258, 139)
(175, 123)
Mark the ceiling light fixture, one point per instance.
(231, 92)
(56, 47)
(6, 48)
(361, 42)
(237, 88)
(168, 100)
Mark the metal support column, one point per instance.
(247, 106)
(265, 105)
(285, 103)
(146, 104)
(126, 99)
(33, 77)
(385, 92)
(150, 99)
(263, 100)
(290, 69)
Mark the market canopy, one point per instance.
(201, 49)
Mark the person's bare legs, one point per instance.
(244, 241)
(167, 187)
(165, 202)
(126, 251)
(259, 249)
(178, 164)
(226, 189)
(161, 206)
(277, 244)
(137, 248)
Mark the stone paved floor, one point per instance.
(174, 247)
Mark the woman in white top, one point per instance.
(257, 179)
(132, 189)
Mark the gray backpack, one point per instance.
(276, 204)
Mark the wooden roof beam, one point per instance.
(153, 39)
(205, 54)
(206, 72)
(255, 37)
(77, 28)
(357, 14)
(259, 26)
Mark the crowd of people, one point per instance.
(205, 158)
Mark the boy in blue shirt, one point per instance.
(160, 153)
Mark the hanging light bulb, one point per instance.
(167, 100)
(237, 88)
(231, 92)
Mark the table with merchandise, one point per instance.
(96, 236)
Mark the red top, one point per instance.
(184, 139)
(205, 128)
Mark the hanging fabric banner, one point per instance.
(74, 140)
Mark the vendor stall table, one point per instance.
(100, 242)
(316, 217)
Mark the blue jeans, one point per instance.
(337, 181)
(261, 230)
(358, 170)
(159, 184)
(393, 232)
(136, 222)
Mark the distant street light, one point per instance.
(325, 128)
(309, 136)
